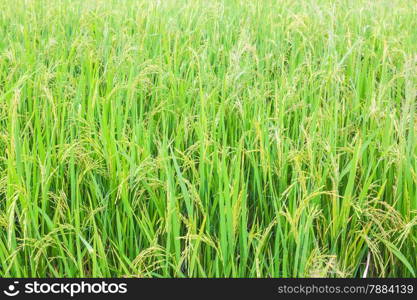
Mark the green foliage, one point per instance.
(226, 138)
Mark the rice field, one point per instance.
(223, 138)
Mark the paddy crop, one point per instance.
(214, 138)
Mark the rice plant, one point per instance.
(222, 138)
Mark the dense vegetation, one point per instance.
(208, 138)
